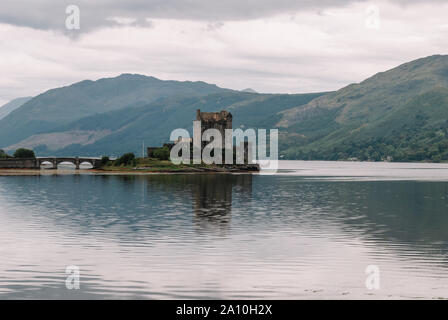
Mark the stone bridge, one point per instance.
(77, 161)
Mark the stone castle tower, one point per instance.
(214, 120)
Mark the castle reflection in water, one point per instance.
(212, 200)
(208, 196)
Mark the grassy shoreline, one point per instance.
(156, 165)
(141, 166)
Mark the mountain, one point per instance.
(400, 114)
(124, 130)
(116, 115)
(55, 107)
(12, 105)
(250, 90)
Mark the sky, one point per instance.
(280, 46)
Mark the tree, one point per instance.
(126, 159)
(105, 160)
(24, 153)
(162, 154)
(4, 155)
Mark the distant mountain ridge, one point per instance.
(400, 115)
(250, 90)
(63, 105)
(126, 129)
(12, 105)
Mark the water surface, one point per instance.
(307, 232)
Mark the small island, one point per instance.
(157, 160)
(126, 164)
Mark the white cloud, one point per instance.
(298, 51)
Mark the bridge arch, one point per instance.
(47, 162)
(84, 162)
(65, 161)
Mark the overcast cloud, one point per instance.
(42, 14)
(270, 46)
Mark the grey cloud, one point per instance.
(286, 69)
(50, 14)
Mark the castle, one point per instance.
(209, 120)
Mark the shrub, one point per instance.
(4, 155)
(105, 160)
(162, 154)
(24, 153)
(126, 159)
